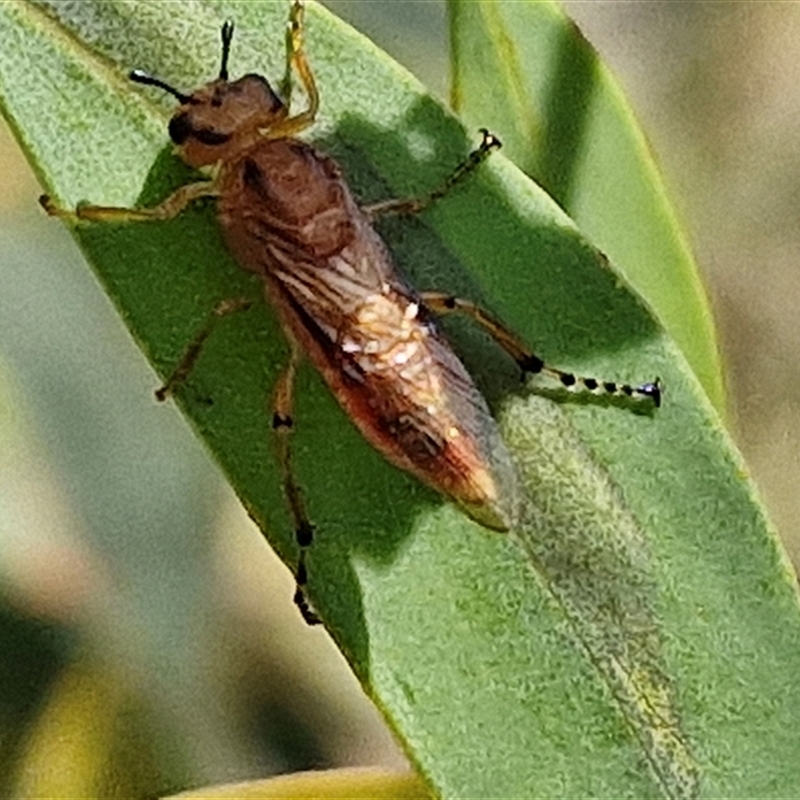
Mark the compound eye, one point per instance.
(180, 129)
(209, 137)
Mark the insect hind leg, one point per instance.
(282, 424)
(528, 361)
(413, 205)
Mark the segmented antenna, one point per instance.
(227, 36)
(140, 76)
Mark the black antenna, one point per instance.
(139, 76)
(227, 36)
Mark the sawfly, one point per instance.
(288, 215)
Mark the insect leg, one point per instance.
(296, 60)
(166, 209)
(414, 205)
(192, 352)
(282, 424)
(528, 361)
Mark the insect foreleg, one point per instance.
(192, 352)
(528, 361)
(296, 61)
(282, 424)
(167, 209)
(414, 205)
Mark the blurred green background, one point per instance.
(145, 623)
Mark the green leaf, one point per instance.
(335, 784)
(524, 70)
(638, 634)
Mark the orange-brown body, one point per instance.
(288, 216)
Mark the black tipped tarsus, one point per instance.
(281, 421)
(227, 37)
(532, 364)
(651, 390)
(300, 598)
(304, 535)
(140, 76)
(490, 141)
(308, 614)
